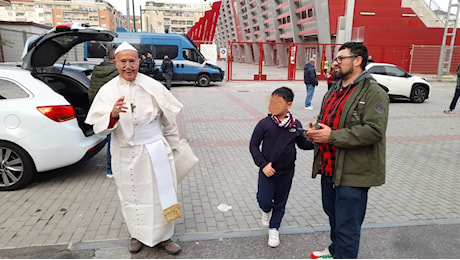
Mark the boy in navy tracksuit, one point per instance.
(278, 133)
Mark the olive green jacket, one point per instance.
(101, 74)
(360, 137)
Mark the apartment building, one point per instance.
(53, 12)
(161, 15)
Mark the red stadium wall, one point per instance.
(203, 31)
(388, 34)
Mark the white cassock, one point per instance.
(151, 109)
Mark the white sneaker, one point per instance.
(321, 254)
(266, 218)
(273, 237)
(309, 108)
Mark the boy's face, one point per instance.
(278, 106)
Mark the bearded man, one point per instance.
(349, 148)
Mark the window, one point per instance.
(377, 70)
(162, 50)
(191, 54)
(394, 71)
(9, 90)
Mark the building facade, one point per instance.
(388, 28)
(53, 12)
(160, 16)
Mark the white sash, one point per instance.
(151, 136)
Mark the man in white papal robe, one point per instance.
(140, 113)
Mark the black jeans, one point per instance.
(273, 193)
(455, 98)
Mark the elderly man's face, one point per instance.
(127, 63)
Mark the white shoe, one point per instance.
(321, 254)
(266, 218)
(273, 237)
(309, 108)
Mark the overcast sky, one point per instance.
(121, 4)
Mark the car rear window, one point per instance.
(10, 90)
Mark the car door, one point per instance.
(397, 81)
(390, 76)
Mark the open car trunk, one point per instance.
(74, 92)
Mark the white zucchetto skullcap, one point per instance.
(125, 47)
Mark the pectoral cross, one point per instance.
(132, 107)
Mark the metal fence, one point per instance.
(425, 59)
(255, 60)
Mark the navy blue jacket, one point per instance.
(278, 145)
(309, 74)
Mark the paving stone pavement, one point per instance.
(78, 204)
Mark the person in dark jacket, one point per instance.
(278, 133)
(102, 74)
(453, 103)
(167, 68)
(147, 65)
(350, 148)
(310, 80)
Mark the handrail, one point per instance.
(434, 6)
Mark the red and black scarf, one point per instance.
(288, 122)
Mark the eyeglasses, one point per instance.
(339, 59)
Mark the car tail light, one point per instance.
(58, 113)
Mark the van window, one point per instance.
(191, 54)
(162, 50)
(98, 50)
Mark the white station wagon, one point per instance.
(42, 111)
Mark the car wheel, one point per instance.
(418, 94)
(203, 80)
(16, 167)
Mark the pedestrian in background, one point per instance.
(330, 79)
(310, 80)
(278, 133)
(151, 66)
(167, 68)
(370, 59)
(141, 114)
(453, 103)
(147, 64)
(143, 64)
(325, 66)
(349, 148)
(100, 75)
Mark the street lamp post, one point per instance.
(127, 14)
(140, 16)
(134, 19)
